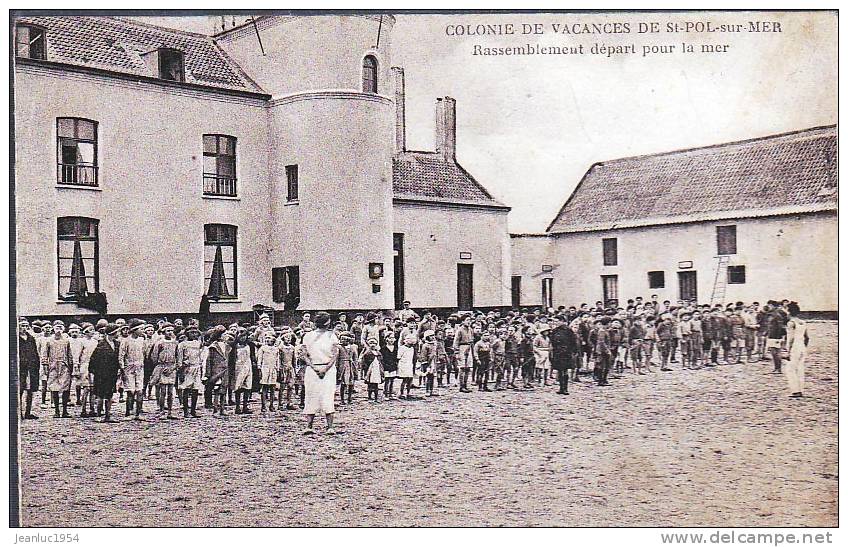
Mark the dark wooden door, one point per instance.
(516, 291)
(465, 286)
(688, 282)
(399, 277)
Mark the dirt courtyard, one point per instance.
(712, 447)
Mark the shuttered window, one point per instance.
(610, 247)
(726, 240)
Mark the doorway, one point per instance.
(610, 288)
(397, 246)
(688, 282)
(465, 286)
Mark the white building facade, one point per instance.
(750, 221)
(156, 166)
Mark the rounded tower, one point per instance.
(332, 138)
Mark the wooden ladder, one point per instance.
(720, 284)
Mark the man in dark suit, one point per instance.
(564, 345)
(104, 366)
(28, 367)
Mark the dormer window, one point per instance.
(369, 74)
(171, 65)
(30, 42)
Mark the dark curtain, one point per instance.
(218, 282)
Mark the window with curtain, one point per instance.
(285, 283)
(77, 257)
(77, 151)
(369, 74)
(30, 42)
(219, 261)
(219, 165)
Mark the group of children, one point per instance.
(135, 361)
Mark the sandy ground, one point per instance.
(713, 447)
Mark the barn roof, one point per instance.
(780, 174)
(428, 176)
(117, 45)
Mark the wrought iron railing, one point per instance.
(214, 185)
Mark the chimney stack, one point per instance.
(446, 128)
(400, 109)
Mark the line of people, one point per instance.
(174, 363)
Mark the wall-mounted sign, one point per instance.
(465, 256)
(375, 288)
(375, 270)
(547, 268)
(685, 265)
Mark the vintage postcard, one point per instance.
(425, 269)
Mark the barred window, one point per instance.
(219, 165)
(30, 42)
(76, 151)
(369, 74)
(220, 272)
(77, 256)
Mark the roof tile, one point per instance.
(427, 175)
(789, 172)
(116, 44)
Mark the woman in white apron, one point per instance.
(796, 345)
(319, 380)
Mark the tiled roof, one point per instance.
(428, 176)
(781, 174)
(115, 44)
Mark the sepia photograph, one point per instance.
(439, 269)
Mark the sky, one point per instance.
(528, 127)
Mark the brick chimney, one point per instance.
(400, 109)
(446, 128)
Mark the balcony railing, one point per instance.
(77, 174)
(214, 185)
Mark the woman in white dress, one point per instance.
(319, 379)
(797, 340)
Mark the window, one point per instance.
(726, 239)
(610, 251)
(369, 74)
(219, 261)
(30, 42)
(77, 257)
(736, 275)
(171, 65)
(77, 151)
(286, 284)
(656, 280)
(291, 180)
(219, 165)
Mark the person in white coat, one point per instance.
(319, 379)
(797, 341)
